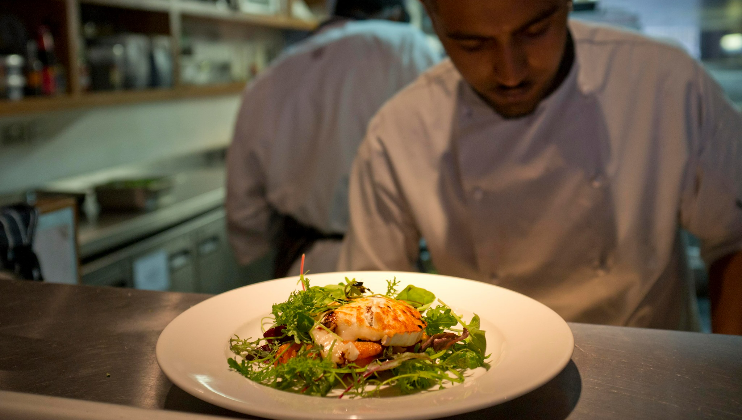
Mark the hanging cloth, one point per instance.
(17, 228)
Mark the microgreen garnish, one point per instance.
(391, 287)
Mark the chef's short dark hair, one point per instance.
(363, 9)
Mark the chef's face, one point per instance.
(509, 51)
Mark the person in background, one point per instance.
(558, 159)
(299, 127)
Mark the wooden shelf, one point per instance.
(198, 10)
(144, 5)
(95, 99)
(161, 17)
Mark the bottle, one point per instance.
(33, 69)
(48, 60)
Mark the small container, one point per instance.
(107, 65)
(12, 81)
(33, 69)
(134, 194)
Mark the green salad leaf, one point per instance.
(463, 359)
(417, 297)
(299, 311)
(478, 341)
(438, 319)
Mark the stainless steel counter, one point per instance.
(98, 344)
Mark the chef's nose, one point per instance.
(509, 64)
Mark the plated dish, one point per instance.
(528, 345)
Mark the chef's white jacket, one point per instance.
(300, 125)
(577, 205)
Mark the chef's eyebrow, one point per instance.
(546, 14)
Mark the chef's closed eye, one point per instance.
(537, 29)
(471, 45)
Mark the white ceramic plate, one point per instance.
(529, 343)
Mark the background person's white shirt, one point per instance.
(300, 125)
(577, 205)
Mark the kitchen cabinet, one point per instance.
(114, 273)
(193, 256)
(166, 262)
(216, 269)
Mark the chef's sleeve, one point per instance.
(381, 234)
(711, 205)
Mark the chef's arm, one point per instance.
(381, 233)
(725, 290)
(713, 210)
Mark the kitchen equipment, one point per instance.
(47, 55)
(162, 62)
(55, 241)
(34, 69)
(12, 81)
(137, 47)
(106, 63)
(120, 61)
(134, 194)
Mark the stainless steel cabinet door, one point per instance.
(216, 267)
(182, 264)
(166, 262)
(108, 273)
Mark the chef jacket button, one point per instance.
(478, 194)
(597, 181)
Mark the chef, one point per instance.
(560, 160)
(299, 127)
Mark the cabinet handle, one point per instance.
(209, 245)
(180, 260)
(119, 283)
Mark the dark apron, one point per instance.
(293, 240)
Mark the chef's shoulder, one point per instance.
(374, 43)
(423, 108)
(610, 56)
(382, 33)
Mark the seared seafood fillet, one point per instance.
(377, 318)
